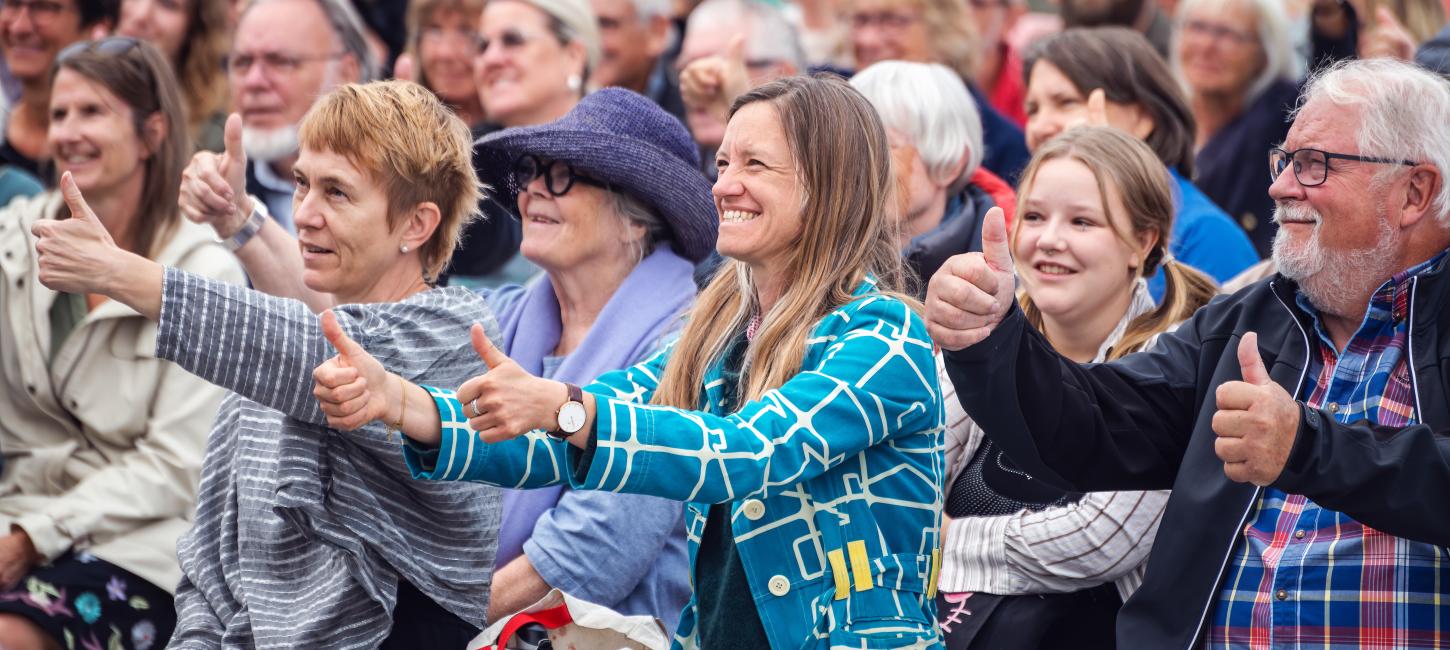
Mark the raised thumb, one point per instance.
(995, 250)
(1097, 108)
(348, 348)
(1250, 363)
(404, 69)
(232, 139)
(487, 351)
(79, 209)
(735, 51)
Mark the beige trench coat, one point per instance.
(103, 446)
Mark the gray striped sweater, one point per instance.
(303, 532)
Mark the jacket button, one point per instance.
(1281, 594)
(753, 509)
(779, 586)
(1299, 534)
(30, 388)
(1333, 408)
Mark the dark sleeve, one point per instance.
(1435, 53)
(1083, 427)
(1388, 478)
(488, 243)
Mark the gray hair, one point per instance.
(348, 27)
(1281, 62)
(647, 10)
(1404, 113)
(772, 36)
(929, 104)
(634, 211)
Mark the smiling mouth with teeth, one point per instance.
(737, 216)
(1054, 269)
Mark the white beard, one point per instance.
(269, 145)
(1336, 282)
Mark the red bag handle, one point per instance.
(552, 618)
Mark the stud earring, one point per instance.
(404, 249)
(575, 83)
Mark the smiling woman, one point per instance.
(800, 393)
(103, 440)
(385, 185)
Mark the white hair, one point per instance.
(1404, 114)
(1281, 62)
(929, 104)
(771, 35)
(647, 10)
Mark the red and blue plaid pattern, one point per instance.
(1304, 576)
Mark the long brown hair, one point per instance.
(199, 64)
(142, 78)
(847, 233)
(1120, 161)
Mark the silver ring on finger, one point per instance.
(474, 404)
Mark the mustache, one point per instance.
(1295, 212)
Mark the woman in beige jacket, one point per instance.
(102, 440)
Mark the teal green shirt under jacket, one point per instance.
(834, 480)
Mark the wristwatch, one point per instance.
(250, 227)
(571, 414)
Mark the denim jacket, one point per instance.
(835, 479)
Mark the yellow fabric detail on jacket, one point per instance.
(838, 573)
(860, 565)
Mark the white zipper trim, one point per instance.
(1203, 616)
(1410, 351)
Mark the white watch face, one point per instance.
(571, 417)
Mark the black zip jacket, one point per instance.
(1144, 422)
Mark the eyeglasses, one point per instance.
(109, 46)
(1311, 166)
(1217, 32)
(559, 176)
(438, 36)
(510, 40)
(41, 11)
(275, 62)
(888, 20)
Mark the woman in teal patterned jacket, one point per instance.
(798, 415)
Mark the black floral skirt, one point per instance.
(87, 603)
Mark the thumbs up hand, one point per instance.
(712, 83)
(507, 401)
(75, 255)
(1256, 422)
(213, 186)
(352, 388)
(969, 295)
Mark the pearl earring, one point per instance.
(575, 83)
(404, 249)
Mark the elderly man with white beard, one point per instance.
(1303, 423)
(285, 54)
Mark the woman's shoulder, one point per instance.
(872, 307)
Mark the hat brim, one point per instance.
(679, 192)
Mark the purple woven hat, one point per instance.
(626, 140)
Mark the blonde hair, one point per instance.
(1126, 164)
(203, 80)
(1421, 18)
(412, 144)
(420, 12)
(847, 235)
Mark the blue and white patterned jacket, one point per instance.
(835, 479)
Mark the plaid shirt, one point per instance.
(1305, 576)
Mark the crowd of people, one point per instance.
(957, 324)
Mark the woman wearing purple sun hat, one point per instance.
(616, 213)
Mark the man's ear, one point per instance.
(1423, 185)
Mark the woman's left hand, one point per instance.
(76, 254)
(17, 557)
(507, 401)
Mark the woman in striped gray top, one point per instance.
(304, 536)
